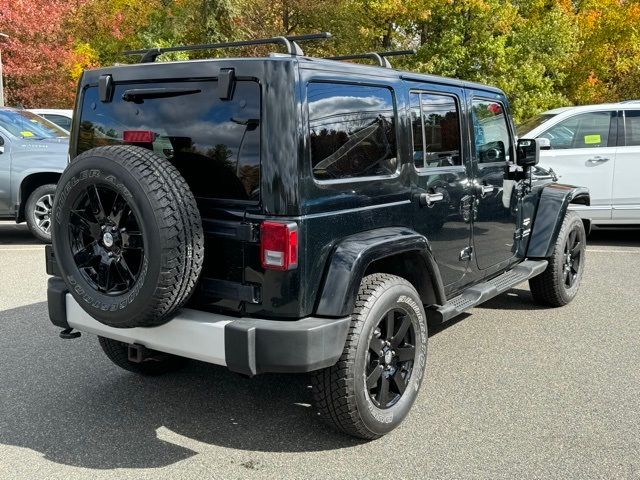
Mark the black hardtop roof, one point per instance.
(374, 70)
(305, 62)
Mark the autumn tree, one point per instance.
(38, 56)
(607, 67)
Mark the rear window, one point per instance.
(352, 131)
(214, 143)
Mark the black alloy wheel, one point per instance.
(106, 240)
(390, 358)
(127, 236)
(559, 283)
(572, 257)
(372, 387)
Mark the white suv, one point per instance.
(598, 147)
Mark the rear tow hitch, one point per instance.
(69, 334)
(138, 353)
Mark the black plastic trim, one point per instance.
(483, 291)
(50, 262)
(105, 88)
(56, 301)
(353, 255)
(226, 83)
(552, 208)
(244, 232)
(263, 346)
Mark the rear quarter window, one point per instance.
(352, 131)
(215, 144)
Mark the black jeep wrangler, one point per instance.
(298, 214)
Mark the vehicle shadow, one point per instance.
(512, 299)
(614, 238)
(64, 399)
(14, 234)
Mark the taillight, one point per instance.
(279, 245)
(138, 136)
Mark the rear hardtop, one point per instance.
(264, 170)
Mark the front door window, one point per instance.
(496, 197)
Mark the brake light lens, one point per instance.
(279, 245)
(138, 136)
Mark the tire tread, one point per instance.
(547, 288)
(333, 387)
(180, 225)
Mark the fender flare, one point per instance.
(552, 208)
(352, 256)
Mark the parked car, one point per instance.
(33, 154)
(597, 146)
(304, 215)
(61, 117)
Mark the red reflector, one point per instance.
(138, 136)
(279, 245)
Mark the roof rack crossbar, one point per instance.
(379, 57)
(149, 55)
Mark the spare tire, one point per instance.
(127, 236)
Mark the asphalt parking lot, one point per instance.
(512, 391)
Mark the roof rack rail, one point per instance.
(149, 55)
(379, 57)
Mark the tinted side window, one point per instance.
(490, 132)
(436, 125)
(352, 131)
(215, 144)
(59, 120)
(587, 130)
(632, 127)
(417, 131)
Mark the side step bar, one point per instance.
(484, 291)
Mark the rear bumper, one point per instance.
(244, 345)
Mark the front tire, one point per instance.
(38, 210)
(158, 363)
(559, 283)
(372, 387)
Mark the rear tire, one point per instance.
(372, 387)
(38, 212)
(559, 283)
(157, 364)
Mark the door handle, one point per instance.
(428, 199)
(596, 160)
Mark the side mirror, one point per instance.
(1, 145)
(528, 152)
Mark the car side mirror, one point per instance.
(528, 152)
(1, 145)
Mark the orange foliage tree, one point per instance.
(38, 54)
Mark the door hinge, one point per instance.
(466, 254)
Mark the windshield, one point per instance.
(528, 125)
(29, 126)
